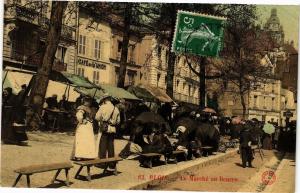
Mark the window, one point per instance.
(158, 78)
(60, 53)
(177, 83)
(97, 49)
(96, 77)
(190, 90)
(120, 46)
(131, 53)
(273, 103)
(82, 44)
(255, 101)
(141, 76)
(265, 102)
(130, 78)
(80, 72)
(159, 51)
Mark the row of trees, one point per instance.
(239, 64)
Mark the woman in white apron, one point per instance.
(84, 143)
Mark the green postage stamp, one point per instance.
(198, 34)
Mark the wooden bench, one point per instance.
(89, 163)
(29, 170)
(206, 149)
(149, 157)
(175, 155)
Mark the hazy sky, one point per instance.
(288, 16)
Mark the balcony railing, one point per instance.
(66, 31)
(31, 16)
(26, 14)
(59, 65)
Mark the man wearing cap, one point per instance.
(245, 145)
(108, 117)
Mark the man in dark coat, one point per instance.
(245, 146)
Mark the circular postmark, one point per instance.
(268, 177)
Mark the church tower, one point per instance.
(274, 28)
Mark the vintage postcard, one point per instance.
(154, 96)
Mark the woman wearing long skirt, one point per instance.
(84, 144)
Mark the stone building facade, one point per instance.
(26, 24)
(154, 71)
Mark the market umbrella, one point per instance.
(269, 128)
(209, 110)
(255, 119)
(184, 109)
(150, 117)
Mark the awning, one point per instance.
(78, 81)
(113, 91)
(96, 93)
(61, 89)
(15, 79)
(141, 93)
(160, 94)
(118, 92)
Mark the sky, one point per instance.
(288, 16)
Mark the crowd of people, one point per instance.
(109, 118)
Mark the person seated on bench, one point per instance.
(84, 144)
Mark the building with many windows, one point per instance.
(93, 48)
(99, 49)
(154, 71)
(26, 24)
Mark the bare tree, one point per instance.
(41, 80)
(245, 45)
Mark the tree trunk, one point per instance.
(170, 73)
(202, 87)
(40, 84)
(172, 56)
(243, 104)
(125, 43)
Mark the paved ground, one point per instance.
(229, 176)
(285, 176)
(51, 148)
(224, 176)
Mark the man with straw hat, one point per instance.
(108, 117)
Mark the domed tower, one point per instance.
(274, 28)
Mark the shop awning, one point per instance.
(141, 93)
(78, 81)
(113, 91)
(15, 79)
(160, 94)
(61, 89)
(96, 93)
(118, 92)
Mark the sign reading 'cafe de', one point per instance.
(91, 63)
(198, 34)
